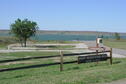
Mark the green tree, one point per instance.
(117, 36)
(23, 30)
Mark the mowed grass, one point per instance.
(121, 44)
(6, 40)
(88, 73)
(56, 41)
(3, 45)
(57, 47)
(14, 55)
(64, 47)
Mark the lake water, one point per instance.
(69, 37)
(64, 37)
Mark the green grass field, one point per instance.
(57, 47)
(88, 73)
(3, 45)
(63, 47)
(54, 41)
(5, 41)
(116, 43)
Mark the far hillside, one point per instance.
(69, 32)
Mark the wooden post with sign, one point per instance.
(61, 61)
(98, 41)
(111, 56)
(97, 45)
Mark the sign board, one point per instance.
(92, 58)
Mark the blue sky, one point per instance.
(76, 15)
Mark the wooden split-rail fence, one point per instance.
(82, 58)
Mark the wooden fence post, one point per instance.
(78, 60)
(111, 56)
(61, 61)
(97, 54)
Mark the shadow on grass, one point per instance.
(117, 62)
(74, 68)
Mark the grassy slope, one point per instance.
(5, 41)
(54, 41)
(89, 73)
(116, 43)
(63, 47)
(3, 45)
(4, 56)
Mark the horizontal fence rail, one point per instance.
(35, 66)
(49, 64)
(38, 57)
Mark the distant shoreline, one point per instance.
(70, 32)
